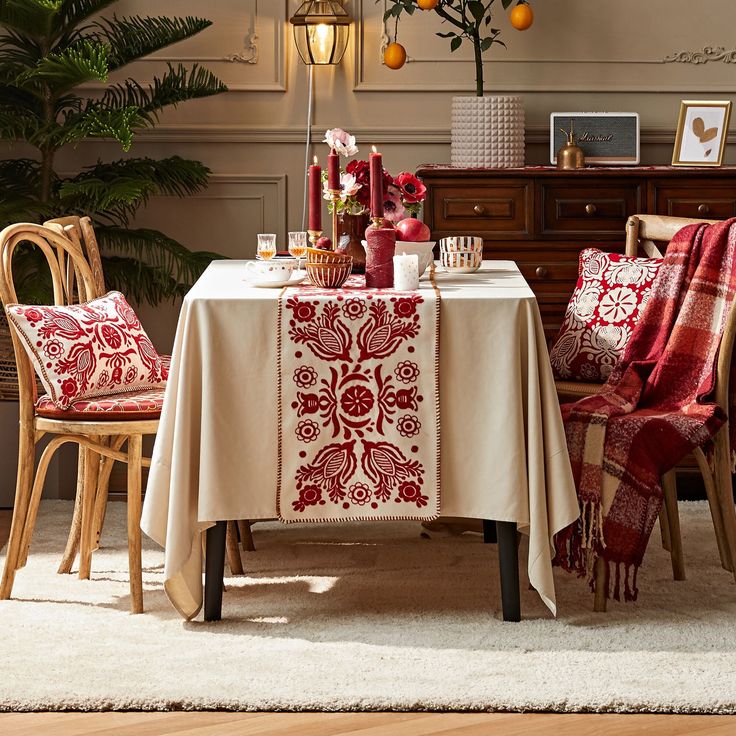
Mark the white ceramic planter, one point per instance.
(488, 131)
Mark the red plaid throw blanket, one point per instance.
(655, 408)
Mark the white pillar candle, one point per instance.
(406, 272)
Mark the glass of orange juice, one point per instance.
(266, 246)
(298, 246)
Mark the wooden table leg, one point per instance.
(508, 559)
(214, 571)
(489, 532)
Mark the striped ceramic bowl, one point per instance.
(458, 243)
(461, 262)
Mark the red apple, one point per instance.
(413, 230)
(323, 243)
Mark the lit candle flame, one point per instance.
(315, 160)
(375, 150)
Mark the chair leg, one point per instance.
(135, 453)
(234, 560)
(24, 482)
(246, 535)
(103, 487)
(669, 487)
(664, 528)
(72, 542)
(600, 602)
(715, 509)
(86, 541)
(725, 493)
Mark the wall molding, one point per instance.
(208, 133)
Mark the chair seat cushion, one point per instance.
(132, 405)
(82, 351)
(610, 294)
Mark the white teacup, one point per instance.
(275, 269)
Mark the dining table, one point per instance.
(502, 454)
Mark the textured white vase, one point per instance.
(488, 131)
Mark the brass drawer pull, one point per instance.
(479, 209)
(703, 209)
(542, 272)
(590, 209)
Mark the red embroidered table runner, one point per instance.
(358, 403)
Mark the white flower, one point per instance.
(349, 185)
(341, 141)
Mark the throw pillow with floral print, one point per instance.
(610, 294)
(85, 350)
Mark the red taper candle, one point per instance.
(315, 196)
(375, 161)
(333, 170)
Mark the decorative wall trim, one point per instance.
(506, 83)
(707, 54)
(385, 135)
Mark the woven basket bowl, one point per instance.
(329, 276)
(316, 255)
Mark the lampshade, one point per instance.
(321, 30)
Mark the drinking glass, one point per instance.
(298, 246)
(266, 245)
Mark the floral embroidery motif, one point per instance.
(87, 350)
(353, 396)
(610, 295)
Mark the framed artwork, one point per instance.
(701, 132)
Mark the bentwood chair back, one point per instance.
(73, 280)
(643, 234)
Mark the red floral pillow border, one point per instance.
(610, 294)
(86, 350)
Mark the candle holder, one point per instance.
(377, 221)
(334, 198)
(314, 236)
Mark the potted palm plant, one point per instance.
(48, 50)
(487, 131)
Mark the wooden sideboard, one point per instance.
(541, 218)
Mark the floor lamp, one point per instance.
(321, 31)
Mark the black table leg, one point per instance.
(489, 532)
(508, 559)
(214, 571)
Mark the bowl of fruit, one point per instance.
(326, 267)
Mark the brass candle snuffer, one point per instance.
(570, 156)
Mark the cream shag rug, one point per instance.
(365, 617)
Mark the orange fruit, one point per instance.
(427, 4)
(522, 16)
(394, 56)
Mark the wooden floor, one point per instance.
(354, 724)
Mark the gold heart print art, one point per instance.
(704, 135)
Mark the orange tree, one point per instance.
(471, 18)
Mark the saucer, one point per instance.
(296, 278)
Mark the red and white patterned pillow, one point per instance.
(610, 294)
(85, 350)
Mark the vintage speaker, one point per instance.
(605, 137)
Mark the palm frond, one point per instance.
(156, 250)
(17, 124)
(73, 12)
(139, 281)
(19, 176)
(117, 200)
(35, 18)
(83, 62)
(173, 176)
(131, 38)
(177, 85)
(97, 120)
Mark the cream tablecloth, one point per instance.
(503, 451)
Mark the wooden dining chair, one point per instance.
(643, 233)
(100, 441)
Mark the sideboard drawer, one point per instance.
(504, 210)
(596, 209)
(710, 203)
